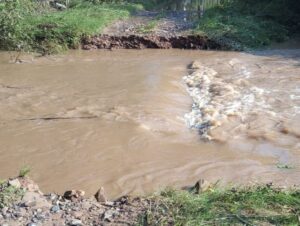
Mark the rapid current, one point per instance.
(137, 121)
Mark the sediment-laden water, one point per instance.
(126, 120)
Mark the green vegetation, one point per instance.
(235, 24)
(260, 205)
(9, 194)
(25, 24)
(148, 27)
(240, 24)
(24, 171)
(284, 166)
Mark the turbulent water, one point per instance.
(130, 120)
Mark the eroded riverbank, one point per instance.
(116, 119)
(23, 203)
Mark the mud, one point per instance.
(153, 42)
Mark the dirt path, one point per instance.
(166, 24)
(156, 30)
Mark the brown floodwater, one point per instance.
(117, 119)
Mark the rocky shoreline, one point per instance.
(195, 42)
(23, 203)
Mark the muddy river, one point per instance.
(123, 119)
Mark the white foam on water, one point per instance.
(218, 101)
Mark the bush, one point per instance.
(12, 32)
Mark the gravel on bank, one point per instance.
(23, 203)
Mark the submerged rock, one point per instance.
(195, 65)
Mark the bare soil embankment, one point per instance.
(153, 42)
(151, 30)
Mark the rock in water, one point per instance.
(100, 195)
(195, 65)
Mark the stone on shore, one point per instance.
(74, 195)
(34, 199)
(100, 196)
(15, 183)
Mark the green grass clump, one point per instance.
(260, 205)
(24, 171)
(9, 194)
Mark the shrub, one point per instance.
(12, 32)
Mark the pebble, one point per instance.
(108, 215)
(55, 209)
(4, 210)
(39, 210)
(77, 215)
(53, 197)
(31, 224)
(74, 194)
(76, 222)
(40, 216)
(6, 216)
(29, 203)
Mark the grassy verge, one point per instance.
(260, 205)
(48, 30)
(250, 24)
(9, 194)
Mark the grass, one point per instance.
(65, 30)
(24, 171)
(258, 205)
(53, 31)
(237, 30)
(9, 194)
(284, 166)
(250, 24)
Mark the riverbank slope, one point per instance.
(232, 25)
(22, 203)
